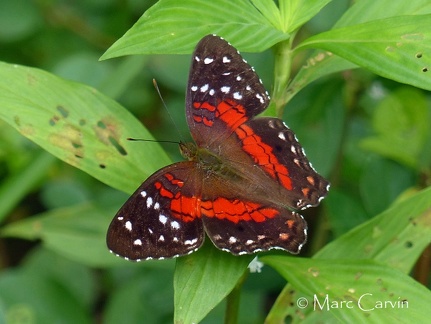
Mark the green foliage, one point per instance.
(368, 132)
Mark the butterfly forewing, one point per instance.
(223, 91)
(159, 220)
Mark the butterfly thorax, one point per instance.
(207, 160)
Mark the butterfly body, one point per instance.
(244, 179)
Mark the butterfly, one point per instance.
(244, 179)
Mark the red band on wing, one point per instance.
(236, 210)
(185, 208)
(231, 113)
(182, 207)
(263, 156)
(188, 209)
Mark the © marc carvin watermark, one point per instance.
(365, 303)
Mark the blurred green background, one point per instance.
(66, 38)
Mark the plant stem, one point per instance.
(282, 70)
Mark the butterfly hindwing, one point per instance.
(247, 227)
(275, 149)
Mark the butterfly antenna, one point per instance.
(167, 110)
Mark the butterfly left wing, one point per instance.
(161, 219)
(223, 92)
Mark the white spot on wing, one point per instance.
(137, 242)
(161, 238)
(281, 136)
(194, 88)
(120, 218)
(238, 78)
(175, 225)
(204, 88)
(232, 240)
(208, 60)
(149, 202)
(258, 96)
(225, 89)
(163, 219)
(226, 59)
(190, 242)
(143, 193)
(237, 96)
(197, 59)
(128, 226)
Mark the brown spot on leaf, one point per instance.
(107, 131)
(63, 111)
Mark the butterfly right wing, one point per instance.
(162, 218)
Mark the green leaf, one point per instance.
(394, 47)
(394, 238)
(76, 232)
(322, 63)
(79, 125)
(352, 291)
(295, 13)
(270, 11)
(174, 27)
(207, 270)
(401, 122)
(367, 10)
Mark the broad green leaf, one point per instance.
(401, 122)
(174, 27)
(79, 125)
(394, 238)
(76, 232)
(295, 13)
(203, 279)
(270, 11)
(367, 10)
(322, 63)
(352, 291)
(394, 47)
